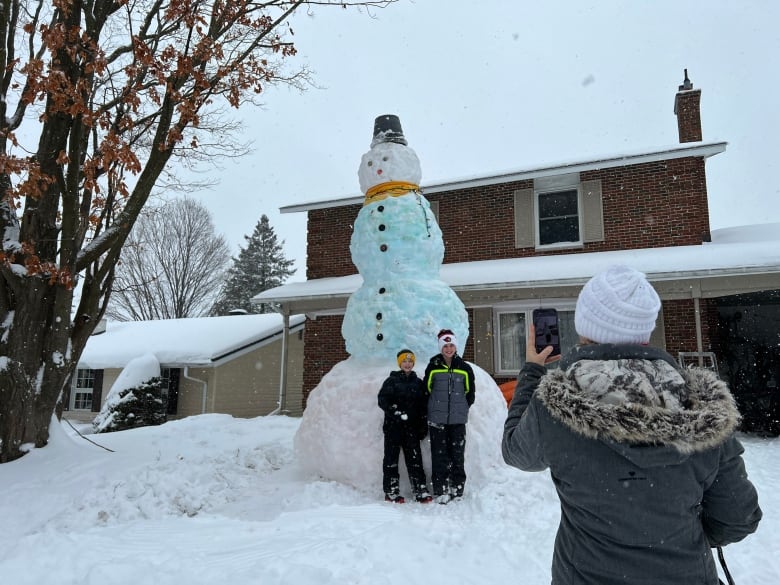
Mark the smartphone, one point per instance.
(546, 329)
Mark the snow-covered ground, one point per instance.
(214, 499)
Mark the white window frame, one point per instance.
(525, 307)
(77, 390)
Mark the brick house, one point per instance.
(534, 237)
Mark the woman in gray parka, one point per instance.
(642, 454)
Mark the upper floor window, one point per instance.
(559, 218)
(559, 212)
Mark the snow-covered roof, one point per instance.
(202, 342)
(696, 149)
(735, 251)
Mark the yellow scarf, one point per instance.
(389, 189)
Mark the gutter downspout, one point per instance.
(205, 388)
(697, 318)
(281, 406)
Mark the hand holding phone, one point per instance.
(546, 331)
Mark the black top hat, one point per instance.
(387, 128)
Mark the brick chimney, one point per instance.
(688, 112)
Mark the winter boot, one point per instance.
(395, 499)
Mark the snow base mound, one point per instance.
(340, 436)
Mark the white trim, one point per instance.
(74, 390)
(691, 149)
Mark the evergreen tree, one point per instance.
(260, 266)
(132, 408)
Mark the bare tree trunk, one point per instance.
(30, 388)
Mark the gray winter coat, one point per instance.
(451, 390)
(645, 462)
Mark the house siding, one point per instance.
(250, 386)
(680, 325)
(327, 242)
(324, 347)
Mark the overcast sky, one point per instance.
(491, 86)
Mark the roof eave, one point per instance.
(693, 149)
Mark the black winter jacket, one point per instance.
(404, 403)
(644, 460)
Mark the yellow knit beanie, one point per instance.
(404, 354)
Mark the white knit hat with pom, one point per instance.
(617, 306)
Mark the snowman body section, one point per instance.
(398, 249)
(397, 236)
(385, 317)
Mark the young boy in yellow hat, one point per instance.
(405, 405)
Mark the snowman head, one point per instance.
(386, 162)
(390, 159)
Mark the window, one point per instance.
(84, 384)
(165, 383)
(559, 220)
(169, 382)
(559, 212)
(512, 321)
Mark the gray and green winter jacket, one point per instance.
(450, 389)
(644, 458)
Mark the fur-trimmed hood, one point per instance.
(635, 397)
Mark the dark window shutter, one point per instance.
(173, 391)
(482, 339)
(97, 391)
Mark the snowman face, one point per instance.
(389, 161)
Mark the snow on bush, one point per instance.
(135, 399)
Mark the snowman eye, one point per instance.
(384, 158)
(370, 163)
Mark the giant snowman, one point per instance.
(398, 249)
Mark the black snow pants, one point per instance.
(448, 448)
(406, 441)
